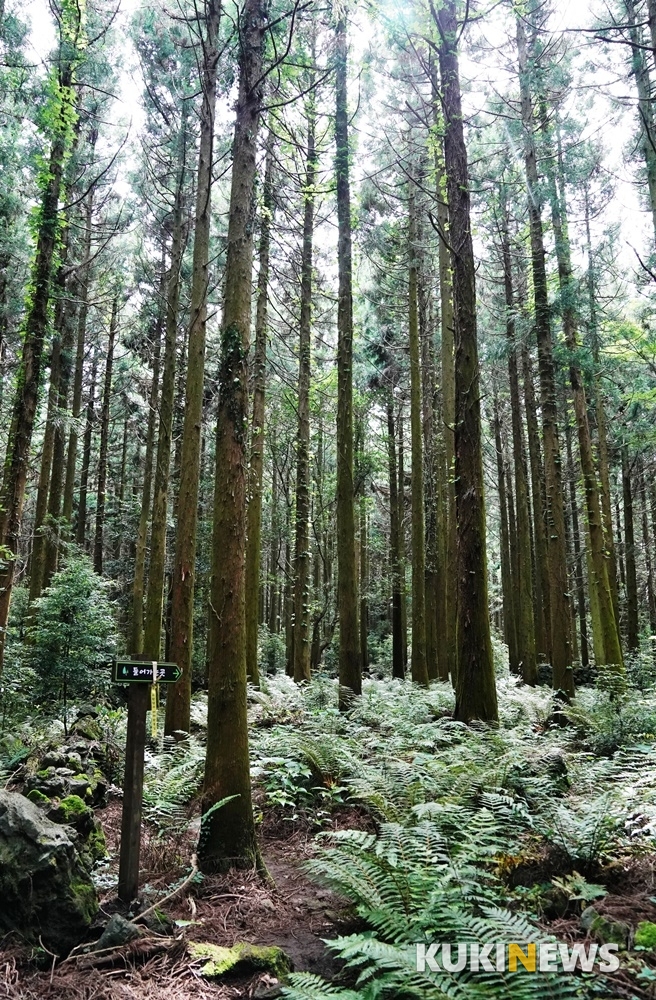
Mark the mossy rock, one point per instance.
(603, 929)
(39, 799)
(89, 836)
(88, 728)
(45, 888)
(645, 935)
(242, 958)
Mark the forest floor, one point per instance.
(288, 911)
(390, 826)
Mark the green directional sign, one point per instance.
(141, 671)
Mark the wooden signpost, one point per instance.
(142, 676)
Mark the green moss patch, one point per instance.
(241, 958)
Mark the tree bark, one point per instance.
(418, 665)
(19, 441)
(98, 544)
(78, 378)
(609, 641)
(350, 676)
(138, 584)
(578, 554)
(560, 616)
(476, 696)
(254, 511)
(81, 525)
(523, 584)
(228, 839)
(178, 700)
(302, 532)
(398, 663)
(158, 524)
(640, 70)
(632, 621)
(507, 583)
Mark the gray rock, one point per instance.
(53, 758)
(118, 931)
(45, 890)
(87, 711)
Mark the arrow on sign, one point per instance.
(141, 671)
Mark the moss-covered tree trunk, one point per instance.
(302, 525)
(178, 700)
(350, 674)
(476, 696)
(559, 607)
(228, 836)
(28, 380)
(254, 511)
(101, 491)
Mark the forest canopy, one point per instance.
(328, 351)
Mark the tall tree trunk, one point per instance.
(302, 539)
(632, 622)
(602, 433)
(19, 441)
(419, 669)
(178, 700)
(364, 584)
(350, 676)
(434, 572)
(476, 696)
(507, 584)
(448, 640)
(78, 378)
(578, 554)
(542, 616)
(228, 839)
(98, 544)
(402, 546)
(640, 70)
(81, 525)
(523, 584)
(254, 510)
(157, 564)
(648, 550)
(398, 664)
(138, 583)
(560, 625)
(609, 640)
(55, 492)
(37, 560)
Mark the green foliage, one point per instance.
(173, 775)
(72, 635)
